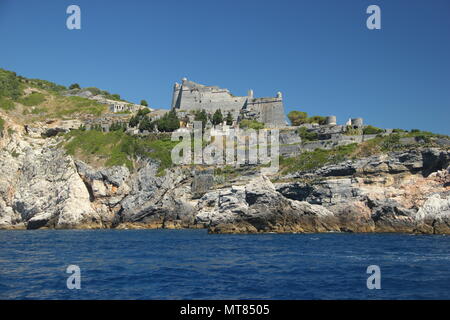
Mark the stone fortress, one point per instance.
(190, 96)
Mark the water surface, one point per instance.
(191, 264)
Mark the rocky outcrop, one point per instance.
(258, 207)
(386, 193)
(42, 187)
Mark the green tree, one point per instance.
(229, 119)
(372, 130)
(318, 119)
(217, 117)
(143, 112)
(201, 116)
(297, 117)
(145, 124)
(74, 86)
(134, 121)
(169, 122)
(144, 103)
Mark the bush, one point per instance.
(145, 124)
(2, 125)
(10, 85)
(142, 112)
(118, 148)
(350, 131)
(134, 121)
(318, 119)
(144, 103)
(95, 91)
(169, 122)
(251, 124)
(118, 126)
(372, 130)
(46, 85)
(317, 158)
(298, 117)
(307, 135)
(74, 86)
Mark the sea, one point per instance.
(192, 264)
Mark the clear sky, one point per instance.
(319, 53)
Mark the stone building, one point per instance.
(190, 96)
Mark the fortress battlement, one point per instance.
(190, 96)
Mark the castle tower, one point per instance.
(331, 120)
(175, 94)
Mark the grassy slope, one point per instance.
(381, 144)
(117, 148)
(28, 100)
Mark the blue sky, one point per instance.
(318, 53)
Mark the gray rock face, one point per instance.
(42, 187)
(258, 207)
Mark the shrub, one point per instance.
(95, 91)
(317, 158)
(2, 125)
(307, 135)
(318, 119)
(297, 117)
(134, 121)
(251, 124)
(350, 131)
(74, 86)
(372, 130)
(169, 122)
(118, 148)
(46, 85)
(142, 112)
(10, 85)
(145, 124)
(144, 103)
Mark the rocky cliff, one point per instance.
(43, 187)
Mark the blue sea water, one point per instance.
(191, 264)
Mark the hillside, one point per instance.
(30, 100)
(55, 172)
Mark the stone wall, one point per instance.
(190, 96)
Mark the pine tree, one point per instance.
(229, 119)
(217, 117)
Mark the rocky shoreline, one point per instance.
(43, 187)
